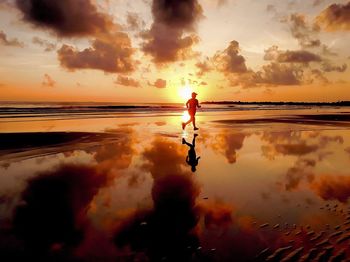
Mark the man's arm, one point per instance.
(187, 103)
(198, 104)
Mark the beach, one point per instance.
(126, 183)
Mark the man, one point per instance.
(192, 105)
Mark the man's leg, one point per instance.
(194, 123)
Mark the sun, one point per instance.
(185, 92)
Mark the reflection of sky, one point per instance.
(245, 178)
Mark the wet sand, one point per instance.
(271, 186)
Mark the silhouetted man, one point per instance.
(192, 105)
(192, 159)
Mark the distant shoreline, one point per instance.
(339, 103)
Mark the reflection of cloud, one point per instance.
(302, 169)
(332, 187)
(53, 214)
(167, 229)
(228, 143)
(217, 214)
(116, 155)
(292, 143)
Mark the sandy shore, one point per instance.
(249, 186)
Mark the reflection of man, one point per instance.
(192, 105)
(192, 159)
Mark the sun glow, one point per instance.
(185, 92)
(185, 116)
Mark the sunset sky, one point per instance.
(161, 50)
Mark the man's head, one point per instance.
(194, 94)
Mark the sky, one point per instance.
(146, 51)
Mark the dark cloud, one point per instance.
(230, 61)
(48, 81)
(159, 83)
(332, 187)
(127, 81)
(9, 42)
(44, 43)
(182, 14)
(112, 55)
(166, 41)
(65, 17)
(335, 17)
(304, 33)
(168, 44)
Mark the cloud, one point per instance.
(317, 2)
(335, 17)
(167, 44)
(127, 81)
(332, 187)
(299, 56)
(44, 43)
(66, 18)
(290, 56)
(159, 83)
(166, 41)
(328, 67)
(279, 74)
(134, 22)
(305, 34)
(182, 14)
(204, 67)
(9, 42)
(111, 55)
(48, 81)
(230, 61)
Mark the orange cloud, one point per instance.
(335, 17)
(48, 81)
